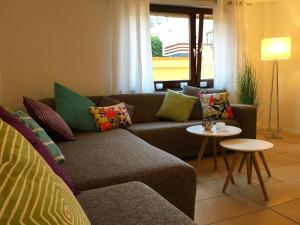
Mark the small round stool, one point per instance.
(248, 149)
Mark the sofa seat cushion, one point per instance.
(130, 203)
(117, 156)
(160, 133)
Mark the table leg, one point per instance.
(242, 163)
(249, 165)
(261, 181)
(214, 139)
(232, 167)
(226, 162)
(202, 150)
(263, 159)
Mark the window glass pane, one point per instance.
(207, 63)
(170, 46)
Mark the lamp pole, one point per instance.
(274, 76)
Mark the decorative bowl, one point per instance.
(207, 125)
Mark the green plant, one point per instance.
(248, 84)
(156, 45)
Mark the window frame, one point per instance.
(195, 75)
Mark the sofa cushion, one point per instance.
(117, 156)
(37, 144)
(31, 193)
(47, 118)
(74, 108)
(176, 106)
(216, 106)
(110, 117)
(160, 133)
(147, 105)
(109, 101)
(41, 134)
(129, 204)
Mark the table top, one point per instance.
(228, 131)
(246, 145)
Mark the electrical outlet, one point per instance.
(203, 84)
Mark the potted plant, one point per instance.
(247, 91)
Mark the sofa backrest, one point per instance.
(50, 101)
(146, 105)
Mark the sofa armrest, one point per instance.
(246, 115)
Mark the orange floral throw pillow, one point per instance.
(216, 106)
(110, 117)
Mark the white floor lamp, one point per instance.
(275, 49)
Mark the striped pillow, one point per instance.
(42, 135)
(30, 193)
(54, 125)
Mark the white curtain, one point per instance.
(131, 70)
(230, 43)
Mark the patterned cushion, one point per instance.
(54, 125)
(216, 106)
(42, 135)
(30, 192)
(108, 101)
(110, 117)
(37, 144)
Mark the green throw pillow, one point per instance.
(74, 108)
(31, 193)
(176, 106)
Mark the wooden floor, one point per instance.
(244, 204)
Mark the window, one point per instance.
(178, 58)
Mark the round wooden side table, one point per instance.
(248, 148)
(214, 133)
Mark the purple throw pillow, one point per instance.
(50, 120)
(37, 144)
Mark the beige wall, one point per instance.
(43, 41)
(279, 18)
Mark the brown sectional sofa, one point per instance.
(99, 164)
(172, 136)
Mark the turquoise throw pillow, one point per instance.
(74, 108)
(176, 106)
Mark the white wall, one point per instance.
(274, 19)
(43, 41)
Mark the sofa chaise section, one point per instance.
(97, 160)
(130, 204)
(172, 136)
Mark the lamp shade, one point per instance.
(276, 48)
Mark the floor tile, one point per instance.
(223, 207)
(265, 176)
(244, 204)
(206, 166)
(292, 139)
(295, 154)
(240, 184)
(290, 210)
(286, 172)
(279, 193)
(297, 179)
(262, 217)
(275, 160)
(282, 149)
(208, 189)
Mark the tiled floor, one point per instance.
(244, 204)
